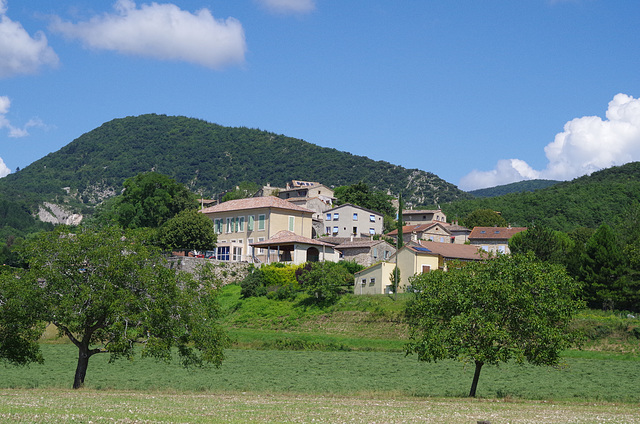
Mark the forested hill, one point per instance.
(209, 158)
(606, 196)
(529, 185)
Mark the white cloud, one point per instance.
(15, 132)
(289, 6)
(19, 52)
(586, 145)
(162, 31)
(4, 170)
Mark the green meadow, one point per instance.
(292, 362)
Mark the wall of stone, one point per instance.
(227, 272)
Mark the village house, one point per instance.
(440, 232)
(287, 247)
(493, 239)
(412, 259)
(415, 217)
(365, 251)
(351, 220)
(240, 223)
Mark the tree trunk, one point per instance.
(476, 376)
(81, 368)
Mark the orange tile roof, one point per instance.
(255, 203)
(287, 237)
(495, 233)
(453, 251)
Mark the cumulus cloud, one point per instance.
(289, 6)
(5, 123)
(4, 170)
(21, 53)
(586, 145)
(161, 31)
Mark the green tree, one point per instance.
(108, 291)
(189, 229)
(547, 245)
(324, 281)
(150, 199)
(395, 279)
(242, 191)
(510, 307)
(361, 195)
(603, 267)
(21, 322)
(484, 218)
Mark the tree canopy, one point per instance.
(510, 307)
(484, 218)
(362, 195)
(188, 230)
(109, 290)
(150, 199)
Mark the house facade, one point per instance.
(494, 239)
(375, 279)
(351, 220)
(240, 223)
(423, 216)
(366, 252)
(287, 247)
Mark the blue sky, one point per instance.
(480, 93)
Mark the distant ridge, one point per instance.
(518, 187)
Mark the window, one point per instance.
(328, 218)
(218, 224)
(241, 224)
(336, 216)
(327, 230)
(237, 254)
(355, 216)
(372, 281)
(372, 218)
(223, 253)
(229, 225)
(426, 268)
(260, 250)
(292, 222)
(375, 252)
(355, 230)
(502, 249)
(441, 239)
(372, 231)
(335, 230)
(364, 281)
(261, 220)
(250, 222)
(234, 224)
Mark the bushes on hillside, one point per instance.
(322, 281)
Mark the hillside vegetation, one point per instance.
(603, 197)
(210, 159)
(519, 187)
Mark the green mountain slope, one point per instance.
(602, 197)
(209, 158)
(530, 185)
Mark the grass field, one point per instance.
(340, 363)
(90, 406)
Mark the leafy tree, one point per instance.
(547, 245)
(253, 284)
(20, 319)
(107, 291)
(189, 229)
(150, 199)
(395, 279)
(361, 195)
(510, 307)
(324, 281)
(603, 268)
(242, 191)
(484, 218)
